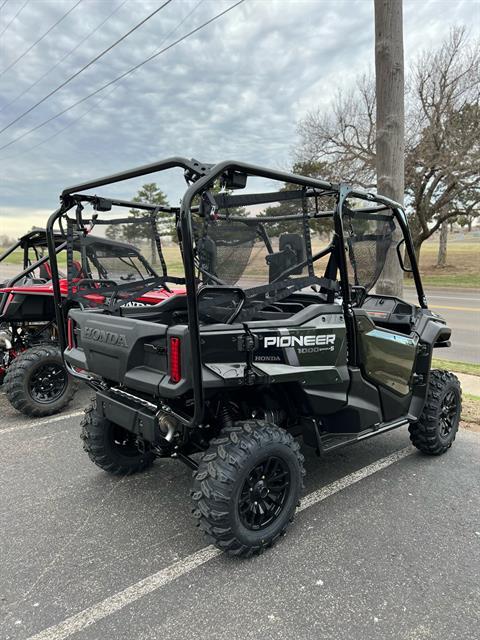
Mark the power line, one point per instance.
(63, 58)
(123, 75)
(70, 124)
(3, 4)
(15, 16)
(12, 64)
(89, 64)
(104, 97)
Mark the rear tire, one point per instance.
(247, 487)
(111, 447)
(37, 383)
(437, 426)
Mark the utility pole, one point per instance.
(390, 143)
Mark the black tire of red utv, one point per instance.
(426, 433)
(221, 476)
(19, 373)
(99, 442)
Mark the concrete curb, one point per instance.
(470, 384)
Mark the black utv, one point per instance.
(279, 334)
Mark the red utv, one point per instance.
(34, 378)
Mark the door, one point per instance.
(387, 359)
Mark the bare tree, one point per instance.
(342, 139)
(466, 208)
(442, 245)
(444, 154)
(442, 120)
(463, 211)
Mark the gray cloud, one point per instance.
(235, 89)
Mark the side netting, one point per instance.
(269, 236)
(370, 237)
(253, 251)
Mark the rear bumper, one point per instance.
(134, 419)
(75, 358)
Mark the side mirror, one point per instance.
(358, 295)
(102, 204)
(234, 180)
(408, 268)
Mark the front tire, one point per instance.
(247, 487)
(37, 383)
(111, 447)
(437, 426)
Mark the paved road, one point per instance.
(461, 309)
(386, 550)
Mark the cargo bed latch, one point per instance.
(154, 348)
(248, 343)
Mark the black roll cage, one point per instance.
(31, 240)
(201, 176)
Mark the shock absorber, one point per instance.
(273, 415)
(224, 417)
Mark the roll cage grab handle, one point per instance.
(201, 176)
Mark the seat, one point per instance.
(175, 303)
(45, 271)
(77, 271)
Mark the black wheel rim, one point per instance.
(264, 493)
(448, 414)
(48, 383)
(124, 441)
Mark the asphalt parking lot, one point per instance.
(387, 545)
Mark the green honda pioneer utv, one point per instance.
(274, 332)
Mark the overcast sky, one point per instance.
(234, 90)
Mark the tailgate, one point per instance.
(122, 350)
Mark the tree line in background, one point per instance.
(442, 145)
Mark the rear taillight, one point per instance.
(71, 334)
(175, 360)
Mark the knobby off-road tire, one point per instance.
(437, 426)
(228, 487)
(111, 447)
(37, 383)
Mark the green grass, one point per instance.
(463, 264)
(471, 411)
(471, 396)
(466, 281)
(454, 246)
(17, 257)
(459, 367)
(14, 258)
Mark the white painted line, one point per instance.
(151, 583)
(119, 600)
(41, 423)
(352, 478)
